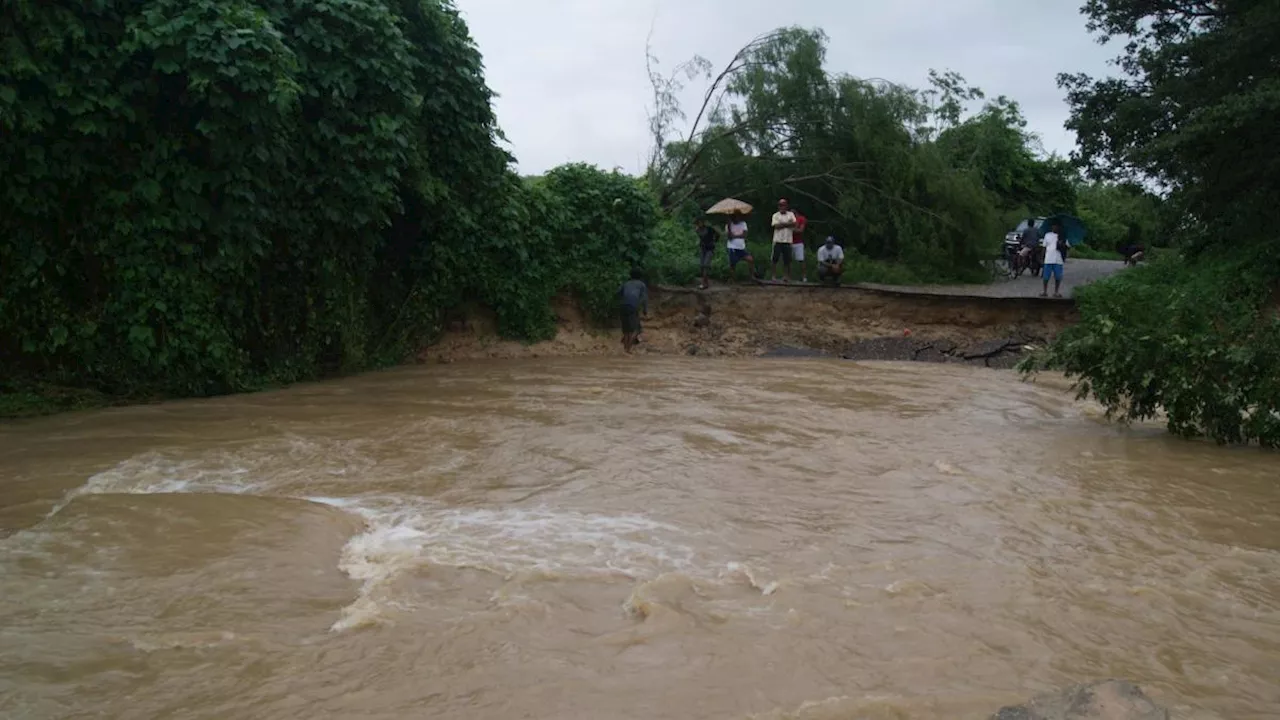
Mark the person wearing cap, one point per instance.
(784, 223)
(830, 261)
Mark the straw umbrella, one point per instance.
(729, 206)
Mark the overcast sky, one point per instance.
(571, 80)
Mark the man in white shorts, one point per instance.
(797, 244)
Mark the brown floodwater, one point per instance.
(641, 538)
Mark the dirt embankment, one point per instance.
(748, 321)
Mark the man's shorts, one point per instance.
(630, 319)
(797, 250)
(704, 258)
(1053, 271)
(782, 253)
(736, 256)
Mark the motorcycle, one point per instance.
(1018, 262)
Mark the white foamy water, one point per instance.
(500, 541)
(154, 474)
(405, 534)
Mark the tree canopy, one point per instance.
(1194, 112)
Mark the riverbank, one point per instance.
(937, 324)
(748, 321)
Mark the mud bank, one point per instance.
(750, 321)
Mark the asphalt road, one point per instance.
(1076, 274)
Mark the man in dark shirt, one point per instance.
(634, 299)
(1030, 239)
(707, 238)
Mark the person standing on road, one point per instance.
(634, 300)
(736, 230)
(1053, 246)
(784, 222)
(830, 261)
(797, 245)
(707, 237)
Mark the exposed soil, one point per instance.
(752, 321)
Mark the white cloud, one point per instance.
(572, 85)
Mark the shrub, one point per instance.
(1199, 342)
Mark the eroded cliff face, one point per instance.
(748, 321)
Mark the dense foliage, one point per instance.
(211, 195)
(1119, 214)
(902, 176)
(1194, 112)
(1184, 339)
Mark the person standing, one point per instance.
(784, 222)
(830, 261)
(797, 244)
(1053, 260)
(736, 230)
(634, 300)
(707, 237)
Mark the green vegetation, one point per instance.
(1195, 335)
(220, 195)
(915, 188)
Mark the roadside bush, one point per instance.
(602, 227)
(1201, 342)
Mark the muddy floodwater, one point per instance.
(642, 538)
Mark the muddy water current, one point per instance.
(648, 538)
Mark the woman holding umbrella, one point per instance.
(736, 232)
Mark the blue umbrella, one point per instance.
(1072, 227)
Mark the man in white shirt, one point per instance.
(830, 261)
(1053, 245)
(736, 231)
(784, 222)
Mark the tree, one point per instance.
(775, 123)
(996, 144)
(1193, 112)
(1119, 214)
